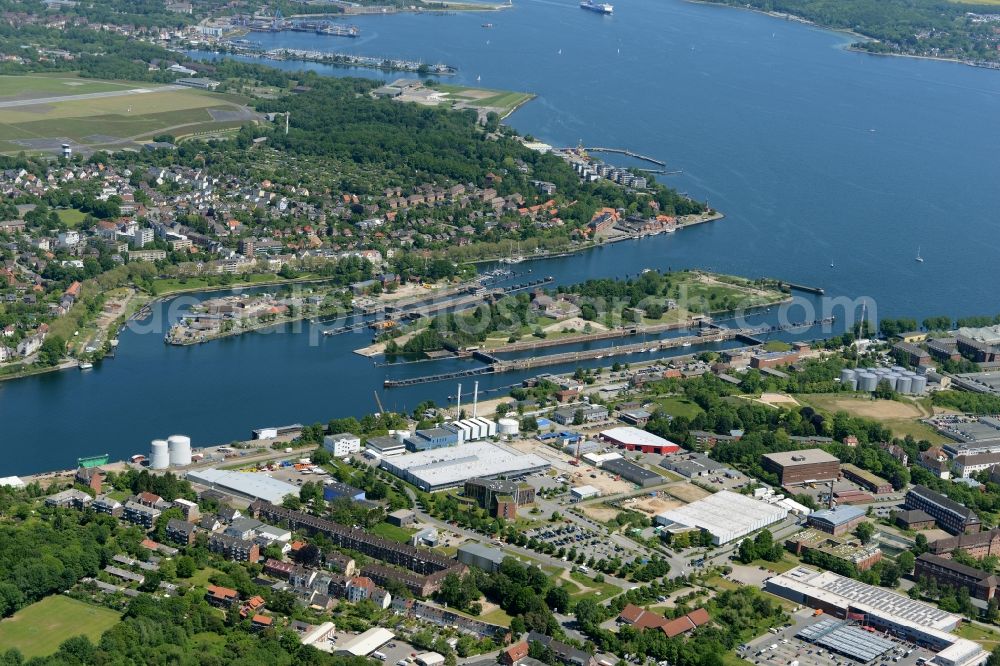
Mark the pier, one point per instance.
(629, 153)
(800, 287)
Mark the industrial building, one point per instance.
(806, 466)
(950, 515)
(385, 445)
(634, 439)
(364, 644)
(837, 521)
(500, 497)
(881, 609)
(581, 493)
(481, 556)
(472, 430)
(250, 485)
(433, 438)
(846, 548)
(980, 584)
(588, 414)
(694, 465)
(335, 490)
(629, 471)
(725, 515)
(866, 479)
(452, 467)
(843, 637)
(342, 444)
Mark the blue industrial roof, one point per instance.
(838, 515)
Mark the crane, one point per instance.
(381, 409)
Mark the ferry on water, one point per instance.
(599, 7)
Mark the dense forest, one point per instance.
(912, 27)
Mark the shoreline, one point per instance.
(850, 48)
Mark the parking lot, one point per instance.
(583, 539)
(395, 650)
(782, 648)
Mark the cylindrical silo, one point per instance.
(867, 381)
(898, 369)
(853, 384)
(509, 427)
(180, 450)
(904, 384)
(846, 375)
(891, 378)
(159, 455)
(918, 385)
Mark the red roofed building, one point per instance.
(685, 623)
(221, 596)
(514, 653)
(261, 622)
(641, 618)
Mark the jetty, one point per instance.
(627, 152)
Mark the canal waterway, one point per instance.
(817, 155)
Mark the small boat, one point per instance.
(686, 344)
(487, 25)
(919, 258)
(600, 356)
(86, 365)
(479, 78)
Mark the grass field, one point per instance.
(987, 637)
(17, 87)
(903, 418)
(678, 406)
(139, 112)
(597, 592)
(71, 216)
(502, 101)
(387, 531)
(39, 629)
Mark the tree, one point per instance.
(52, 351)
(185, 567)
(920, 544)
(905, 561)
(994, 658)
(866, 532)
(558, 599)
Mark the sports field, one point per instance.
(39, 114)
(39, 629)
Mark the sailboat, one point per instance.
(919, 258)
(479, 78)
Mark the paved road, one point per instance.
(75, 98)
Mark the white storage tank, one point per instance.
(159, 455)
(891, 378)
(508, 427)
(904, 384)
(867, 381)
(846, 375)
(918, 385)
(179, 447)
(853, 384)
(898, 369)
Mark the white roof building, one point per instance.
(584, 492)
(254, 485)
(11, 482)
(364, 644)
(725, 515)
(448, 467)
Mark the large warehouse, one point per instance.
(806, 466)
(453, 466)
(725, 515)
(251, 485)
(880, 608)
(634, 439)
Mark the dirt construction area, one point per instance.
(652, 505)
(602, 513)
(686, 492)
(778, 400)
